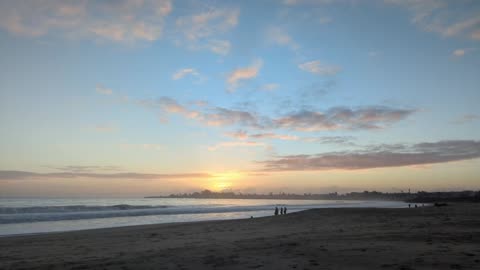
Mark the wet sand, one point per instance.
(417, 238)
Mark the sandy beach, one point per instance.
(417, 238)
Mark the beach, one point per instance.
(331, 238)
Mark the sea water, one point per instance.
(28, 216)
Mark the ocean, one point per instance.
(31, 216)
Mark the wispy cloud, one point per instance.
(206, 114)
(336, 118)
(117, 21)
(447, 18)
(379, 157)
(475, 35)
(143, 146)
(170, 105)
(24, 175)
(219, 116)
(179, 74)
(467, 118)
(218, 46)
(242, 74)
(319, 68)
(243, 135)
(105, 128)
(236, 144)
(459, 52)
(270, 86)
(296, 2)
(462, 52)
(343, 118)
(339, 140)
(83, 168)
(200, 30)
(103, 90)
(280, 37)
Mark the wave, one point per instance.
(77, 212)
(72, 208)
(56, 213)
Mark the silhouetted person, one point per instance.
(285, 210)
(415, 206)
(409, 205)
(276, 211)
(281, 210)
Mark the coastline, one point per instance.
(24, 220)
(367, 238)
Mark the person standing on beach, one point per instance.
(276, 211)
(285, 210)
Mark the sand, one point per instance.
(421, 238)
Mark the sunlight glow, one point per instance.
(223, 181)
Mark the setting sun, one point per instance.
(224, 181)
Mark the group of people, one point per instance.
(283, 211)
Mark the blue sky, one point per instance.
(258, 96)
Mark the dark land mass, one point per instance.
(418, 197)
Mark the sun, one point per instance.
(221, 186)
(223, 181)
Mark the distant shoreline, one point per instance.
(275, 198)
(418, 197)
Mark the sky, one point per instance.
(143, 97)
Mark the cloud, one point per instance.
(311, 2)
(340, 140)
(103, 90)
(339, 118)
(336, 118)
(462, 52)
(379, 157)
(447, 18)
(467, 118)
(77, 168)
(318, 68)
(236, 144)
(126, 21)
(274, 136)
(280, 37)
(143, 146)
(170, 105)
(242, 74)
(184, 72)
(270, 86)
(475, 35)
(225, 117)
(459, 52)
(240, 134)
(25, 175)
(200, 30)
(105, 128)
(217, 46)
(243, 135)
(208, 115)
